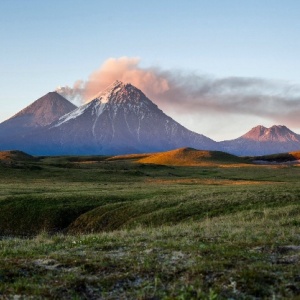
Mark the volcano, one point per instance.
(262, 141)
(40, 113)
(120, 120)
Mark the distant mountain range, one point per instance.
(262, 141)
(122, 120)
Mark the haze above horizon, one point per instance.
(217, 68)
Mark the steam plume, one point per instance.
(193, 94)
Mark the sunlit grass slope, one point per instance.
(185, 157)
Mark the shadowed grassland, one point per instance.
(281, 157)
(99, 228)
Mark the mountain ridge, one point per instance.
(46, 109)
(121, 119)
(261, 140)
(278, 133)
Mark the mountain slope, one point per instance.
(41, 112)
(121, 119)
(262, 141)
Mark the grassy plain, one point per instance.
(121, 228)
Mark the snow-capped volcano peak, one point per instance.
(117, 96)
(105, 95)
(122, 93)
(121, 119)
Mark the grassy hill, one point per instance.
(185, 224)
(281, 157)
(184, 157)
(15, 155)
(15, 159)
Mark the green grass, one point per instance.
(88, 228)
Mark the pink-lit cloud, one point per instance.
(124, 69)
(193, 94)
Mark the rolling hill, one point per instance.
(15, 155)
(183, 157)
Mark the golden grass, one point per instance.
(190, 157)
(296, 154)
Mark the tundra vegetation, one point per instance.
(212, 226)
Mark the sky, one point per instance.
(217, 67)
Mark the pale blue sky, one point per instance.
(45, 44)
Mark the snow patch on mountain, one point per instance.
(97, 110)
(109, 92)
(72, 115)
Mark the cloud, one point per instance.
(127, 70)
(193, 94)
(124, 69)
(74, 93)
